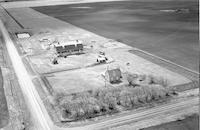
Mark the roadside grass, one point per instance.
(4, 116)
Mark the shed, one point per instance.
(23, 35)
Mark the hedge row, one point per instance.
(104, 101)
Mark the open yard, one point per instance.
(40, 54)
(84, 79)
(43, 63)
(77, 80)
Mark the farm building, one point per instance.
(113, 75)
(69, 47)
(23, 35)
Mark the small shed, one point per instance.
(113, 75)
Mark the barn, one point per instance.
(70, 47)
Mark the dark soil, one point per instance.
(189, 123)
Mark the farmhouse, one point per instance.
(113, 75)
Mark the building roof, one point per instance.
(76, 47)
(23, 35)
(114, 73)
(65, 43)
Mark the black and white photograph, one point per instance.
(99, 65)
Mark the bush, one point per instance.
(147, 91)
(110, 100)
(158, 91)
(141, 80)
(131, 78)
(160, 80)
(58, 97)
(126, 98)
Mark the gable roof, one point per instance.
(114, 72)
(67, 42)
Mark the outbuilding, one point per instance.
(23, 35)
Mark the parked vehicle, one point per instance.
(101, 59)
